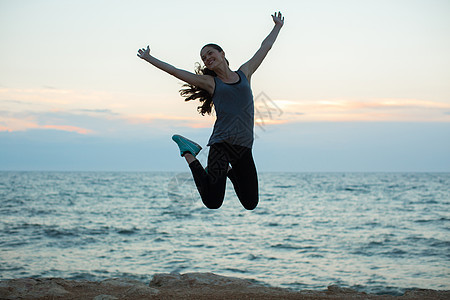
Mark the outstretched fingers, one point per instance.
(278, 18)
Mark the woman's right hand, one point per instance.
(144, 53)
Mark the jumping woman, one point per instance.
(229, 92)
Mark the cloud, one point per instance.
(67, 128)
(102, 113)
(91, 112)
(15, 102)
(96, 111)
(25, 122)
(379, 110)
(151, 118)
(99, 122)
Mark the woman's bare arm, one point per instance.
(205, 82)
(252, 65)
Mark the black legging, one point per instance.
(211, 183)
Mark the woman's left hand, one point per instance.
(278, 19)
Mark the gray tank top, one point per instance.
(234, 108)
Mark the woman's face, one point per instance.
(211, 57)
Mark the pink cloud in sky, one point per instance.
(378, 110)
(99, 112)
(19, 124)
(68, 128)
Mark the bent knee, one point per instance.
(213, 203)
(213, 206)
(250, 205)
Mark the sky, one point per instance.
(350, 85)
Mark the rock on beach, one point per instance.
(181, 286)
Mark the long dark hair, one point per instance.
(191, 92)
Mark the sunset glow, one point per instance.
(72, 70)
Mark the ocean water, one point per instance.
(374, 232)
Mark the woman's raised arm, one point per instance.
(250, 66)
(205, 82)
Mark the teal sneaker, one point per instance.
(186, 146)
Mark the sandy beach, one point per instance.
(181, 286)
